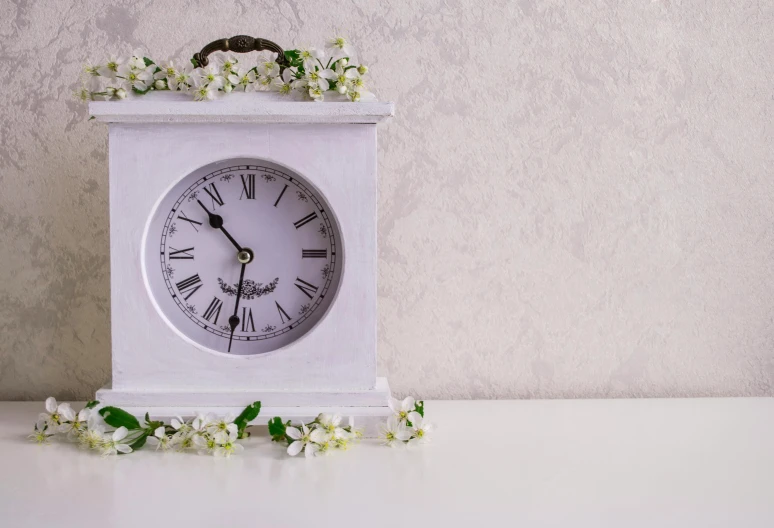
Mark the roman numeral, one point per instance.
(285, 188)
(189, 286)
(214, 194)
(308, 289)
(314, 253)
(284, 317)
(181, 254)
(247, 320)
(193, 223)
(213, 310)
(248, 186)
(305, 220)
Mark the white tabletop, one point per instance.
(618, 463)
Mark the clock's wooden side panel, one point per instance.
(148, 354)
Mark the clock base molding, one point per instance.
(362, 407)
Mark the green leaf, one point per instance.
(139, 442)
(195, 64)
(93, 403)
(419, 407)
(249, 414)
(277, 429)
(294, 58)
(116, 417)
(147, 61)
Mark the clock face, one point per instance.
(243, 256)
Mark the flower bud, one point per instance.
(110, 91)
(227, 88)
(121, 93)
(341, 89)
(362, 69)
(343, 61)
(160, 84)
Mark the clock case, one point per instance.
(156, 140)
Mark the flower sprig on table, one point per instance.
(311, 73)
(91, 428)
(407, 425)
(325, 434)
(319, 437)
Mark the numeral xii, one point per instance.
(248, 186)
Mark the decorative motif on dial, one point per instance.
(251, 214)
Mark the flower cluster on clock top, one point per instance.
(312, 73)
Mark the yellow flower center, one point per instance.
(339, 42)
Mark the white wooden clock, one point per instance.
(243, 255)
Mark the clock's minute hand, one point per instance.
(216, 222)
(233, 321)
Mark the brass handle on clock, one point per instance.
(240, 44)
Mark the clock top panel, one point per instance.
(253, 107)
(243, 257)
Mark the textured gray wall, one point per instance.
(577, 198)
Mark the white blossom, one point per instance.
(226, 443)
(160, 439)
(74, 423)
(204, 92)
(110, 68)
(167, 70)
(394, 432)
(227, 65)
(305, 439)
(283, 83)
(205, 444)
(242, 79)
(209, 76)
(339, 47)
(421, 429)
(54, 415)
(329, 423)
(39, 436)
(138, 79)
(311, 57)
(115, 443)
(402, 408)
(269, 69)
(225, 424)
(181, 80)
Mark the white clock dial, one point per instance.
(290, 250)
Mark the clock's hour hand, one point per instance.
(233, 321)
(216, 222)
